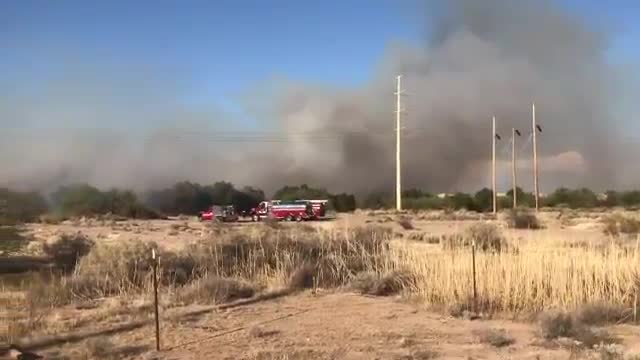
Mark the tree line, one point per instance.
(187, 198)
(190, 198)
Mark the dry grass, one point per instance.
(495, 337)
(522, 279)
(486, 237)
(523, 219)
(236, 262)
(618, 224)
(406, 223)
(604, 314)
(67, 249)
(560, 325)
(212, 289)
(382, 285)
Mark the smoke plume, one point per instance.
(480, 58)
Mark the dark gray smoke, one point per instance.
(482, 58)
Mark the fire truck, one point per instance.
(219, 213)
(297, 210)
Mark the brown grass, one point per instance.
(67, 250)
(385, 285)
(236, 262)
(523, 219)
(486, 237)
(495, 337)
(564, 325)
(406, 223)
(212, 289)
(619, 224)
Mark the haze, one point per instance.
(141, 96)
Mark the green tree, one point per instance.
(580, 198)
(377, 200)
(630, 198)
(612, 199)
(79, 200)
(461, 201)
(524, 199)
(303, 191)
(343, 202)
(182, 198)
(483, 200)
(19, 207)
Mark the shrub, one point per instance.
(217, 290)
(335, 255)
(302, 277)
(497, 338)
(85, 200)
(67, 249)
(602, 314)
(116, 267)
(20, 207)
(52, 219)
(486, 236)
(389, 284)
(406, 223)
(620, 224)
(523, 219)
(564, 325)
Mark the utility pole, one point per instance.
(494, 137)
(398, 162)
(514, 132)
(534, 129)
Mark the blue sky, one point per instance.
(221, 48)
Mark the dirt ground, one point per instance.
(175, 233)
(335, 325)
(324, 325)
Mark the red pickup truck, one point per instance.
(219, 213)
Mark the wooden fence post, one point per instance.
(475, 290)
(155, 296)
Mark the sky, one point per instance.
(217, 51)
(118, 78)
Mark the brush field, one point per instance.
(372, 284)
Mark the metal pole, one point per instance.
(536, 190)
(513, 167)
(155, 296)
(398, 162)
(493, 166)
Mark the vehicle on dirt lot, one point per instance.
(297, 210)
(219, 213)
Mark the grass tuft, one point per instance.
(619, 224)
(406, 223)
(389, 284)
(495, 337)
(523, 219)
(67, 249)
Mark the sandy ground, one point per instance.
(331, 325)
(334, 326)
(174, 234)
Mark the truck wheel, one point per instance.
(255, 218)
(298, 218)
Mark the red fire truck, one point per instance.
(297, 210)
